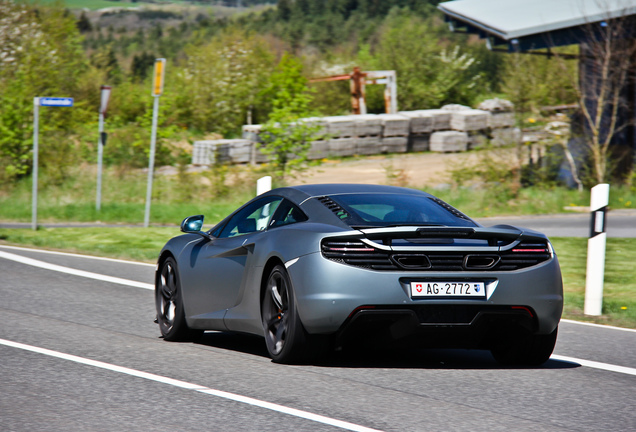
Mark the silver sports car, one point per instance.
(315, 267)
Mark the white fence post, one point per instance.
(263, 185)
(596, 250)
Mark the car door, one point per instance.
(218, 266)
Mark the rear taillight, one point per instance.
(332, 246)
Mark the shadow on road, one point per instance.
(400, 358)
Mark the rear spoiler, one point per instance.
(494, 235)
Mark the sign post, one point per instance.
(34, 193)
(596, 250)
(101, 142)
(37, 103)
(157, 90)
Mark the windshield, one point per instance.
(394, 209)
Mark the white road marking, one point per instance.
(72, 271)
(189, 386)
(76, 255)
(596, 365)
(598, 325)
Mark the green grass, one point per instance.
(139, 244)
(498, 201)
(144, 244)
(124, 197)
(619, 291)
(215, 194)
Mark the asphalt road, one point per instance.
(83, 354)
(620, 223)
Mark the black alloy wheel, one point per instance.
(285, 336)
(169, 304)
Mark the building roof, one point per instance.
(514, 19)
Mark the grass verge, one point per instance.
(144, 244)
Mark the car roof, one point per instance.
(329, 189)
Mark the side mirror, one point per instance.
(193, 225)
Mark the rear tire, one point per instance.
(285, 336)
(169, 304)
(525, 350)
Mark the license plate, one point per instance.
(448, 289)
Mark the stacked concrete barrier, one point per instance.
(453, 128)
(502, 122)
(395, 132)
(233, 151)
(421, 127)
(449, 141)
(368, 132)
(341, 130)
(471, 122)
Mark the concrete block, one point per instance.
(367, 125)
(449, 141)
(342, 146)
(394, 125)
(233, 150)
(502, 119)
(203, 152)
(321, 129)
(223, 151)
(419, 142)
(340, 126)
(421, 121)
(252, 132)
(258, 156)
(441, 118)
(394, 144)
(496, 105)
(506, 136)
(318, 150)
(455, 107)
(369, 145)
(469, 120)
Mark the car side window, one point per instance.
(288, 213)
(252, 218)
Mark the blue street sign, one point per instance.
(56, 102)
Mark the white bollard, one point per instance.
(263, 185)
(596, 250)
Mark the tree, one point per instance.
(532, 82)
(141, 65)
(607, 72)
(40, 55)
(287, 136)
(428, 74)
(221, 80)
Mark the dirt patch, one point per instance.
(418, 170)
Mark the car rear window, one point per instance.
(396, 209)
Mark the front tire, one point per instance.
(525, 350)
(169, 304)
(285, 336)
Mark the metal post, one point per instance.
(151, 164)
(34, 205)
(100, 155)
(596, 250)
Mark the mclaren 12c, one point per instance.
(316, 267)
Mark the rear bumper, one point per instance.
(439, 326)
(329, 295)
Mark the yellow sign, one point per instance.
(157, 83)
